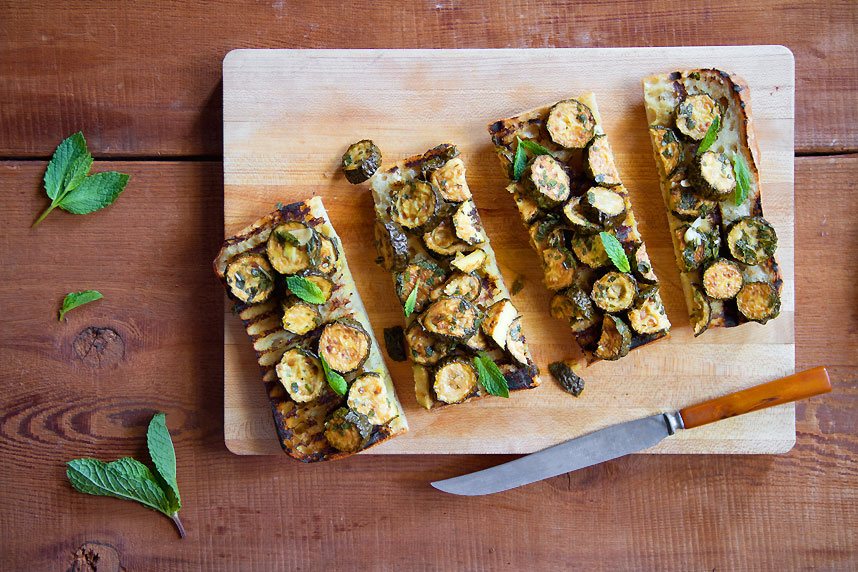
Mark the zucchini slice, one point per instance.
(574, 306)
(424, 348)
(669, 153)
(559, 268)
(758, 301)
(527, 207)
(604, 206)
(368, 396)
(712, 175)
(614, 292)
(701, 310)
(588, 248)
(647, 316)
(324, 253)
(469, 227)
(423, 387)
(695, 114)
(478, 342)
(498, 319)
(570, 124)
(250, 277)
(323, 281)
(699, 243)
(599, 162)
(684, 202)
(423, 274)
(516, 344)
(415, 205)
(567, 377)
(547, 180)
(722, 279)
(360, 161)
(300, 317)
(437, 157)
(391, 244)
(347, 430)
(442, 239)
(752, 240)
(545, 233)
(394, 343)
(616, 339)
(301, 374)
(470, 262)
(574, 214)
(642, 267)
(459, 284)
(455, 380)
(345, 345)
(450, 181)
(453, 318)
(288, 247)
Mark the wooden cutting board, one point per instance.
(290, 114)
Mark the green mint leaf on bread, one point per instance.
(306, 290)
(615, 251)
(490, 375)
(335, 380)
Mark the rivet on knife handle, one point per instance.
(785, 390)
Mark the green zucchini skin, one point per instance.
(573, 212)
(696, 253)
(752, 240)
(345, 345)
(455, 380)
(424, 348)
(670, 149)
(648, 317)
(722, 279)
(437, 157)
(615, 292)
(570, 124)
(361, 161)
(288, 247)
(568, 379)
(443, 241)
(323, 253)
(391, 244)
(759, 302)
(452, 318)
(416, 206)
(547, 180)
(347, 430)
(694, 114)
(604, 207)
(684, 201)
(423, 274)
(320, 279)
(642, 267)
(250, 278)
(576, 307)
(588, 249)
(616, 339)
(712, 175)
(394, 343)
(701, 314)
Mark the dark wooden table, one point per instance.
(142, 81)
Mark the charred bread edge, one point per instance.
(262, 323)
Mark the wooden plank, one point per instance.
(330, 102)
(150, 254)
(102, 67)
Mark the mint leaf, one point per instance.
(286, 238)
(124, 478)
(615, 251)
(411, 301)
(305, 289)
(94, 193)
(75, 299)
(520, 161)
(164, 456)
(490, 375)
(335, 380)
(63, 162)
(743, 178)
(534, 147)
(710, 137)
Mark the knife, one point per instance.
(631, 436)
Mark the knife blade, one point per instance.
(633, 436)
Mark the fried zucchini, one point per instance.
(684, 202)
(516, 344)
(604, 206)
(347, 430)
(455, 380)
(574, 214)
(588, 248)
(566, 377)
(360, 161)
(478, 342)
(415, 205)
(616, 339)
(669, 153)
(722, 279)
(453, 318)
(436, 158)
(701, 310)
(647, 316)
(499, 316)
(321, 280)
(547, 181)
(570, 124)
(527, 207)
(559, 268)
(470, 262)
(614, 292)
(345, 345)
(300, 317)
(574, 306)
(642, 267)
(545, 233)
(695, 114)
(368, 396)
(712, 175)
(425, 349)
(288, 247)
(324, 253)
(301, 374)
(759, 301)
(394, 343)
(442, 239)
(599, 162)
(391, 244)
(423, 387)
(423, 274)
(752, 240)
(699, 243)
(250, 278)
(469, 227)
(459, 284)
(450, 181)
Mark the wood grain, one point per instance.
(288, 117)
(150, 253)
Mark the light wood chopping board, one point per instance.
(290, 114)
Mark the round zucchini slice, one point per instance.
(450, 181)
(669, 153)
(701, 310)
(616, 339)
(345, 345)
(527, 207)
(424, 348)
(453, 318)
(588, 248)
(250, 278)
(323, 281)
(360, 161)
(546, 233)
(599, 162)
(684, 202)
(574, 306)
(415, 205)
(391, 244)
(455, 380)
(722, 279)
(574, 214)
(547, 181)
(301, 374)
(516, 344)
(570, 124)
(697, 244)
(604, 206)
(289, 246)
(752, 240)
(368, 396)
(422, 274)
(459, 284)
(443, 241)
(347, 430)
(642, 267)
(469, 227)
(559, 268)
(647, 316)
(614, 292)
(712, 175)
(695, 114)
(759, 301)
(300, 317)
(324, 253)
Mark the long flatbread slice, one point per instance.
(301, 424)
(713, 225)
(430, 237)
(566, 236)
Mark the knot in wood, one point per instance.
(98, 347)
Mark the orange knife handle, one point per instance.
(785, 390)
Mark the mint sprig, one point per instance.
(490, 375)
(75, 299)
(743, 179)
(70, 188)
(306, 290)
(710, 137)
(615, 251)
(335, 380)
(535, 148)
(411, 301)
(520, 160)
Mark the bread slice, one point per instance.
(531, 126)
(499, 332)
(662, 96)
(301, 426)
